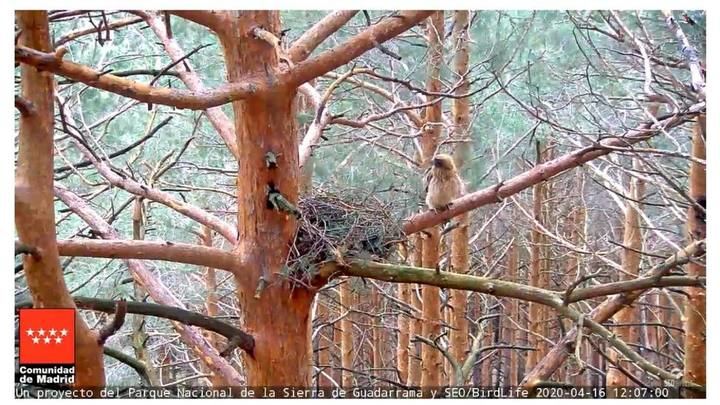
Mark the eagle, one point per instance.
(443, 183)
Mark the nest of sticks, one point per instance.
(334, 226)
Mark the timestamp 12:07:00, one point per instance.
(605, 392)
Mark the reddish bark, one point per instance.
(310, 39)
(324, 345)
(276, 311)
(403, 327)
(632, 240)
(346, 335)
(513, 313)
(34, 207)
(431, 316)
(150, 250)
(414, 369)
(695, 310)
(536, 267)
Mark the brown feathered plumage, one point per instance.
(443, 183)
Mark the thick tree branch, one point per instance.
(310, 39)
(150, 250)
(194, 100)
(131, 362)
(212, 19)
(637, 284)
(408, 274)
(544, 171)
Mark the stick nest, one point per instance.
(340, 226)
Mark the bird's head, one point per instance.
(444, 162)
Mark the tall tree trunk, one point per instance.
(378, 333)
(431, 315)
(576, 224)
(548, 219)
(403, 339)
(346, 335)
(431, 325)
(414, 368)
(632, 240)
(695, 325)
(337, 341)
(276, 311)
(433, 114)
(534, 309)
(489, 324)
(34, 206)
(459, 259)
(513, 312)
(324, 344)
(461, 106)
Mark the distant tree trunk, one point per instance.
(346, 335)
(337, 341)
(486, 369)
(433, 114)
(513, 312)
(403, 338)
(324, 344)
(695, 315)
(461, 106)
(459, 259)
(414, 368)
(577, 235)
(378, 335)
(431, 325)
(34, 206)
(548, 219)
(534, 309)
(275, 312)
(632, 240)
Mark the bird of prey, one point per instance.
(443, 183)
